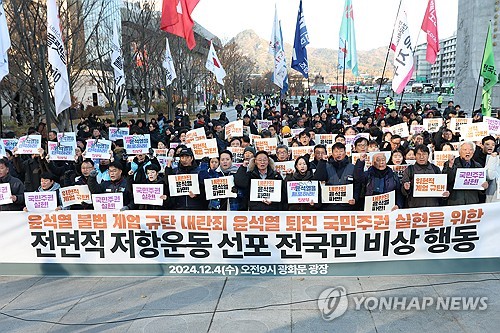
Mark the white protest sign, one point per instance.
(440, 157)
(416, 129)
(399, 169)
(40, 201)
(296, 131)
(195, 135)
(325, 139)
(205, 148)
(98, 149)
(238, 153)
(380, 202)
(148, 194)
(401, 130)
(183, 184)
(336, 193)
(301, 151)
(302, 191)
(457, 123)
(473, 132)
(266, 144)
(234, 129)
(77, 194)
(429, 185)
(5, 194)
(282, 167)
(10, 144)
(432, 124)
(67, 139)
(107, 201)
(469, 179)
(29, 144)
(59, 152)
(161, 156)
(219, 188)
(117, 133)
(137, 144)
(354, 120)
(350, 139)
(263, 124)
(493, 124)
(265, 189)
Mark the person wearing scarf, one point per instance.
(302, 172)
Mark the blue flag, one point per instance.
(347, 40)
(284, 89)
(299, 57)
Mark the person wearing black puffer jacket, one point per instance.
(188, 165)
(16, 188)
(260, 167)
(117, 184)
(337, 170)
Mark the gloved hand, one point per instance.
(93, 173)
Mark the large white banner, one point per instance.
(257, 237)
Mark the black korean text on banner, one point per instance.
(336, 193)
(183, 184)
(265, 189)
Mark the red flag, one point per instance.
(429, 25)
(176, 19)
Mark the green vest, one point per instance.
(440, 99)
(387, 101)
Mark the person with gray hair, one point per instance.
(464, 160)
(282, 154)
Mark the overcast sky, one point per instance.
(374, 19)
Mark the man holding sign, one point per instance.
(421, 166)
(16, 188)
(464, 161)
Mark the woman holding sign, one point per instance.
(302, 173)
(263, 195)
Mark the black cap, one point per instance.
(186, 152)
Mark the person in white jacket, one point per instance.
(493, 177)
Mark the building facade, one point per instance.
(473, 19)
(442, 72)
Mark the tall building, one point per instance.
(442, 72)
(473, 18)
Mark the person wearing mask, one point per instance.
(464, 160)
(422, 166)
(260, 167)
(16, 188)
(337, 170)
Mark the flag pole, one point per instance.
(387, 57)
(309, 90)
(343, 80)
(480, 68)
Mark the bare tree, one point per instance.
(238, 69)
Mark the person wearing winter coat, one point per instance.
(379, 178)
(464, 160)
(302, 172)
(188, 165)
(16, 188)
(260, 167)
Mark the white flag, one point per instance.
(213, 64)
(168, 64)
(116, 58)
(4, 43)
(277, 49)
(57, 58)
(403, 55)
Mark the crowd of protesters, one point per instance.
(332, 165)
